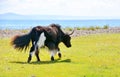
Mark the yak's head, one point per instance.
(67, 39)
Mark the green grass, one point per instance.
(89, 56)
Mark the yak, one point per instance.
(50, 36)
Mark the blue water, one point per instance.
(24, 24)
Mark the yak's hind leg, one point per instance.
(31, 53)
(37, 54)
(34, 49)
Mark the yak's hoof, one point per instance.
(59, 54)
(52, 58)
(29, 59)
(38, 60)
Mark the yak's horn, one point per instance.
(72, 32)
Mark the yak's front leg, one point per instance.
(59, 53)
(53, 52)
(52, 49)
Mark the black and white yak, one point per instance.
(40, 36)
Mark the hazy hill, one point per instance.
(12, 16)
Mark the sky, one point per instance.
(62, 7)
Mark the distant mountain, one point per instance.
(13, 16)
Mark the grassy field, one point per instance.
(89, 56)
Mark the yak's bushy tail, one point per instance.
(21, 42)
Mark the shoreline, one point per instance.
(10, 33)
(97, 31)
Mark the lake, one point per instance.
(24, 24)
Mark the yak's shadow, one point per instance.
(44, 62)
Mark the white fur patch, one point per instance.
(58, 51)
(41, 41)
(31, 53)
(53, 52)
